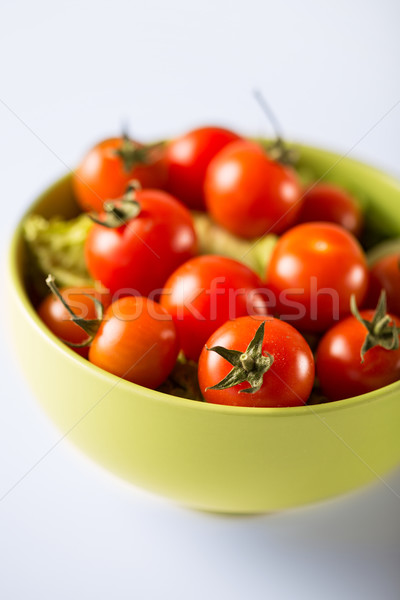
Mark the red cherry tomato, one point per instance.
(289, 380)
(139, 256)
(136, 341)
(314, 270)
(340, 371)
(59, 320)
(329, 202)
(106, 170)
(248, 193)
(187, 158)
(385, 274)
(205, 292)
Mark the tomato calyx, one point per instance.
(249, 366)
(132, 154)
(278, 150)
(89, 326)
(382, 331)
(119, 212)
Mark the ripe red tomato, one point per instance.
(140, 255)
(107, 168)
(385, 274)
(331, 203)
(57, 318)
(288, 380)
(341, 372)
(314, 270)
(248, 193)
(205, 292)
(187, 158)
(136, 341)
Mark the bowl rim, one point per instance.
(114, 381)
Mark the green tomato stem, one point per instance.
(249, 366)
(119, 212)
(379, 330)
(89, 326)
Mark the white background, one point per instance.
(73, 72)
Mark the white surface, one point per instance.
(72, 72)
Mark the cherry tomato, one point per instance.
(248, 193)
(314, 270)
(140, 255)
(57, 318)
(106, 170)
(329, 202)
(288, 379)
(341, 372)
(385, 274)
(187, 158)
(205, 292)
(136, 341)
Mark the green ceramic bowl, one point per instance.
(240, 460)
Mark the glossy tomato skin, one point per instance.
(385, 274)
(207, 291)
(330, 203)
(139, 256)
(289, 380)
(136, 341)
(249, 194)
(187, 158)
(58, 319)
(314, 270)
(101, 175)
(340, 371)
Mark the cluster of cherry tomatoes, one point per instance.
(248, 334)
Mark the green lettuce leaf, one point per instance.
(213, 239)
(56, 246)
